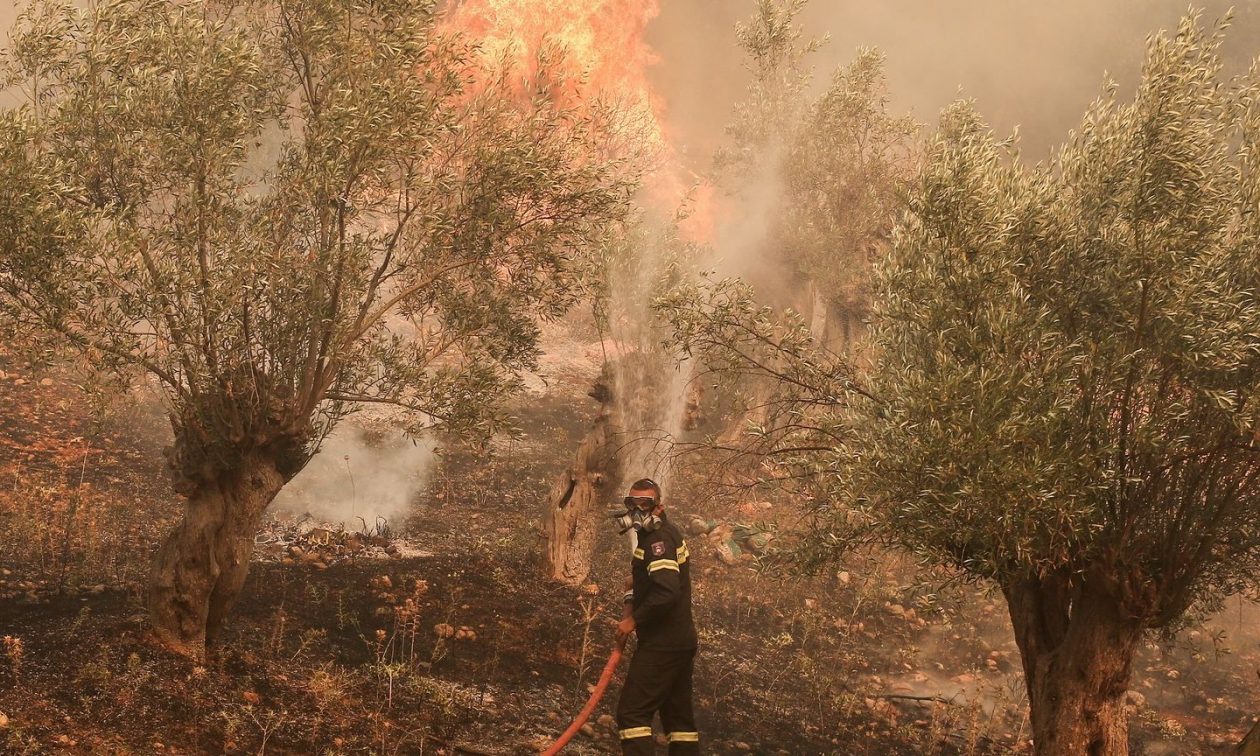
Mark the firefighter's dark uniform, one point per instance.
(660, 672)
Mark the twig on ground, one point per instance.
(907, 697)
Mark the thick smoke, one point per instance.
(1030, 63)
(359, 478)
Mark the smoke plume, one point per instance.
(359, 478)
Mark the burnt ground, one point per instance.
(357, 656)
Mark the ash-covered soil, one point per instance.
(436, 635)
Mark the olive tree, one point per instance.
(282, 210)
(843, 175)
(1063, 398)
(824, 165)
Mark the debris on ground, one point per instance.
(732, 542)
(321, 545)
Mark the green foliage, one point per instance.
(1065, 357)
(284, 210)
(776, 52)
(1070, 354)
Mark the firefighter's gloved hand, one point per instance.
(624, 628)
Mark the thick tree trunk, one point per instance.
(202, 564)
(818, 314)
(1077, 650)
(570, 521)
(1250, 745)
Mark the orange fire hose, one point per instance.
(606, 677)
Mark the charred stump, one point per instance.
(571, 519)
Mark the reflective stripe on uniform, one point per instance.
(683, 554)
(636, 732)
(684, 737)
(663, 564)
(638, 553)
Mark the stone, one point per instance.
(729, 552)
(46, 382)
(757, 543)
(4, 720)
(444, 630)
(587, 730)
(698, 526)
(606, 720)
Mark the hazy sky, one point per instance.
(1036, 63)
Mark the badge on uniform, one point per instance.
(658, 548)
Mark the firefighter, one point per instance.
(658, 611)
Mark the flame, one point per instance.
(606, 59)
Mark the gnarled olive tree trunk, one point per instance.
(1250, 745)
(202, 564)
(1077, 649)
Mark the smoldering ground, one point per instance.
(360, 479)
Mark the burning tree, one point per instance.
(282, 210)
(1064, 393)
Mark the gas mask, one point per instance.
(633, 517)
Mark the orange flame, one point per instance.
(605, 51)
